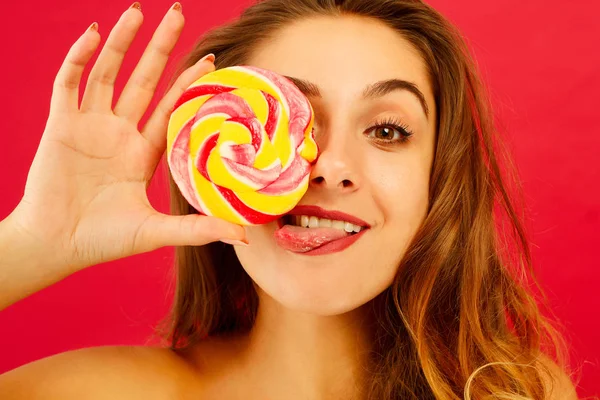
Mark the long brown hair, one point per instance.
(461, 318)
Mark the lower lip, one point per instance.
(334, 246)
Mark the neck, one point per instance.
(312, 356)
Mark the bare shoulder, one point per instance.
(559, 384)
(111, 372)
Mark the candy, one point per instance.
(240, 145)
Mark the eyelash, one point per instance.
(396, 124)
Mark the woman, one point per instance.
(424, 305)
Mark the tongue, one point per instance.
(301, 240)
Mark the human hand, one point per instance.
(85, 198)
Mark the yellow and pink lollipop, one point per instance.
(240, 145)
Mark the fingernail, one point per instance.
(93, 27)
(176, 7)
(136, 5)
(234, 242)
(210, 57)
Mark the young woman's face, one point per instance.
(362, 171)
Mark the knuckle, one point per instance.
(145, 82)
(104, 78)
(163, 109)
(114, 46)
(159, 47)
(67, 77)
(186, 225)
(163, 49)
(67, 83)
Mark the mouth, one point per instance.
(311, 230)
(312, 222)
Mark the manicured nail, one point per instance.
(93, 27)
(176, 7)
(136, 5)
(210, 57)
(234, 242)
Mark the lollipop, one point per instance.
(240, 145)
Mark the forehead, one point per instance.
(343, 54)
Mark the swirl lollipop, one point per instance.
(240, 145)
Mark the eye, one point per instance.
(389, 131)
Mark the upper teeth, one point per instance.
(314, 222)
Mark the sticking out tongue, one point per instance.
(300, 240)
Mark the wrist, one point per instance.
(19, 247)
(25, 265)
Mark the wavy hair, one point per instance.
(463, 317)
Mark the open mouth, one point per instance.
(312, 222)
(310, 235)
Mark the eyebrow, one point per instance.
(372, 91)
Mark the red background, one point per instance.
(540, 59)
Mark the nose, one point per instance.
(336, 168)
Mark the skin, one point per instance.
(310, 329)
(310, 336)
(388, 183)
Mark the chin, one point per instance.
(300, 289)
(325, 285)
(330, 303)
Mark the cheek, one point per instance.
(400, 188)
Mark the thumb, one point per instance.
(161, 230)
